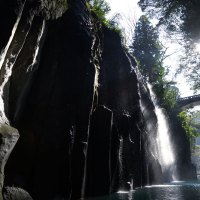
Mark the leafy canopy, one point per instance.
(101, 8)
(187, 124)
(147, 49)
(175, 15)
(181, 19)
(149, 53)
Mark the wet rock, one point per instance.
(154, 171)
(77, 108)
(185, 169)
(98, 174)
(52, 9)
(52, 108)
(8, 139)
(12, 193)
(119, 92)
(118, 82)
(9, 16)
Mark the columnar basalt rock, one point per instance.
(98, 176)
(119, 92)
(53, 105)
(73, 94)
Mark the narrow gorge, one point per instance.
(76, 117)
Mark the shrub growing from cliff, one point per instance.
(167, 92)
(101, 8)
(186, 122)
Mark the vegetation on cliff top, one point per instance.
(149, 53)
(101, 8)
(187, 123)
(180, 19)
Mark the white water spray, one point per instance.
(165, 149)
(120, 160)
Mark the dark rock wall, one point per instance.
(8, 8)
(82, 90)
(185, 169)
(74, 97)
(119, 91)
(53, 118)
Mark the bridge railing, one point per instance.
(188, 98)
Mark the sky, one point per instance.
(130, 13)
(124, 6)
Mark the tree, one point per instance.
(101, 8)
(179, 15)
(181, 19)
(147, 49)
(190, 65)
(196, 120)
(186, 122)
(149, 53)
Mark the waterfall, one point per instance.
(120, 158)
(164, 146)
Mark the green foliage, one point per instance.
(167, 93)
(186, 122)
(169, 97)
(113, 25)
(147, 49)
(181, 19)
(101, 8)
(195, 120)
(177, 16)
(148, 52)
(190, 65)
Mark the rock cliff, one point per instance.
(72, 92)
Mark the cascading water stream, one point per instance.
(120, 161)
(165, 150)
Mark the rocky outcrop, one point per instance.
(66, 89)
(119, 92)
(12, 193)
(8, 138)
(52, 106)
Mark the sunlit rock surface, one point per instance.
(8, 139)
(12, 193)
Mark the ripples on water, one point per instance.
(174, 191)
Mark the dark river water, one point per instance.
(173, 191)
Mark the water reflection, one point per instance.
(174, 191)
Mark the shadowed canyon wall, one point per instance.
(73, 94)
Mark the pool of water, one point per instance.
(172, 191)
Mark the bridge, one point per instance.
(188, 102)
